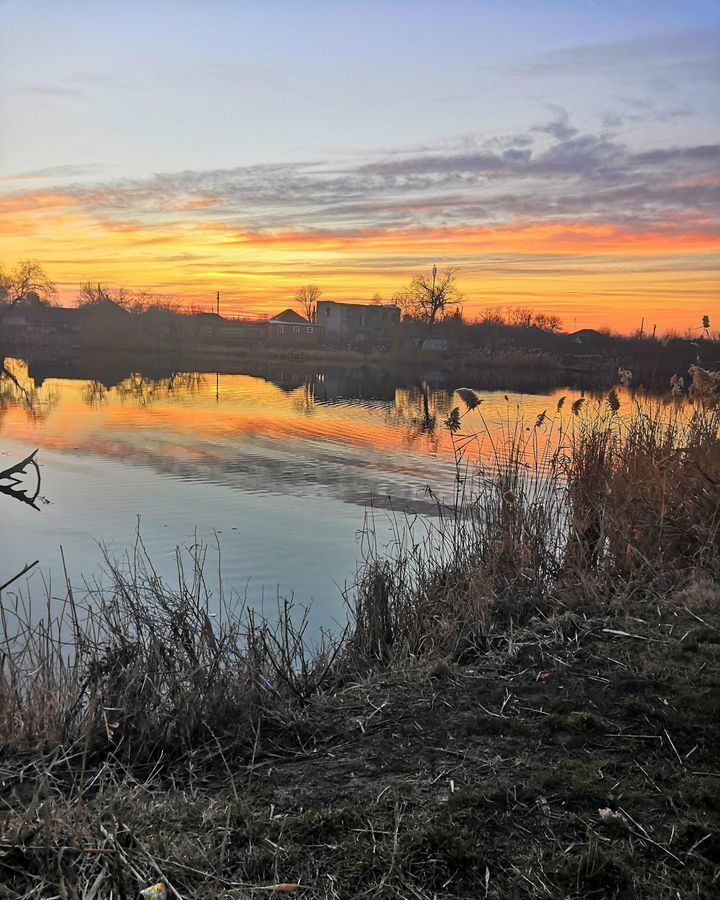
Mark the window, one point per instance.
(327, 311)
(281, 329)
(310, 329)
(296, 329)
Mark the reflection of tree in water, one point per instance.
(94, 393)
(304, 399)
(18, 390)
(144, 391)
(417, 411)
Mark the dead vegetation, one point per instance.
(524, 703)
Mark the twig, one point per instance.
(19, 575)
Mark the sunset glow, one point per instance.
(597, 203)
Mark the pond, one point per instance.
(275, 469)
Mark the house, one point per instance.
(290, 327)
(106, 323)
(358, 323)
(30, 321)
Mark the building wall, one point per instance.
(359, 321)
(293, 333)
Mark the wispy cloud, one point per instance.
(551, 172)
(50, 173)
(691, 48)
(54, 91)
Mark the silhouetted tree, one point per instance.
(428, 297)
(547, 322)
(519, 316)
(27, 277)
(306, 298)
(492, 315)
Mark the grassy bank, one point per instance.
(524, 703)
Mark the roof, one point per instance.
(103, 307)
(35, 312)
(359, 305)
(291, 317)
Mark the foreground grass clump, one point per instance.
(524, 703)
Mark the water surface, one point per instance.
(276, 470)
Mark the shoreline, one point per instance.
(493, 372)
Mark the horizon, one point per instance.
(562, 157)
(149, 302)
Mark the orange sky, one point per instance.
(589, 274)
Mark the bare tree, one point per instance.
(492, 315)
(519, 316)
(306, 298)
(428, 297)
(547, 322)
(407, 302)
(27, 277)
(92, 293)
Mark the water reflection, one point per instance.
(19, 390)
(275, 458)
(144, 391)
(276, 427)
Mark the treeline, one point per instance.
(432, 319)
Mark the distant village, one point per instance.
(432, 326)
(106, 322)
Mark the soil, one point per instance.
(485, 778)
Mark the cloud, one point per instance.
(51, 172)
(550, 173)
(54, 91)
(559, 127)
(697, 51)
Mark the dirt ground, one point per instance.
(576, 759)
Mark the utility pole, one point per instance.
(654, 330)
(218, 303)
(642, 327)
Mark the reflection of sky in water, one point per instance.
(281, 472)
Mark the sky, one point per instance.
(558, 154)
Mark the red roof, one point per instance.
(291, 317)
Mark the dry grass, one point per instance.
(144, 669)
(590, 503)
